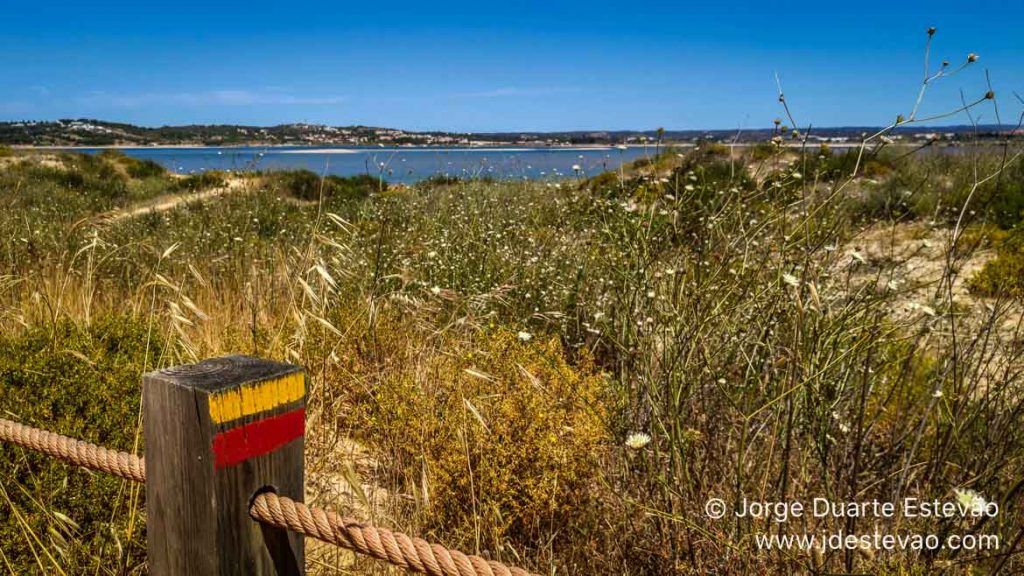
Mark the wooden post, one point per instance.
(217, 433)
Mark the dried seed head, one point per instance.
(972, 57)
(931, 31)
(990, 95)
(777, 121)
(945, 63)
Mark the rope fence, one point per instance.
(411, 554)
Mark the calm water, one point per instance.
(398, 164)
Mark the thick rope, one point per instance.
(74, 451)
(412, 554)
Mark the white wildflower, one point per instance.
(637, 440)
(435, 290)
(971, 500)
(524, 336)
(791, 280)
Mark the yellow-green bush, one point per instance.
(981, 237)
(507, 431)
(1001, 276)
(1004, 274)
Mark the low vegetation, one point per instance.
(55, 520)
(307, 185)
(556, 374)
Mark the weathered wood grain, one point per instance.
(217, 433)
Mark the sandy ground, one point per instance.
(165, 203)
(909, 261)
(912, 259)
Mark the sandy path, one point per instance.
(165, 203)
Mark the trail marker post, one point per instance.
(217, 433)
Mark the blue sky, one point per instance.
(501, 65)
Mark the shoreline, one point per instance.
(497, 148)
(341, 149)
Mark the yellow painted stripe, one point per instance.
(255, 398)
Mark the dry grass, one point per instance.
(479, 352)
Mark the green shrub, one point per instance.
(763, 151)
(144, 168)
(133, 167)
(1007, 204)
(202, 181)
(604, 182)
(93, 174)
(353, 187)
(1001, 276)
(437, 181)
(303, 184)
(980, 237)
(83, 382)
(714, 150)
(1004, 274)
(888, 201)
(307, 185)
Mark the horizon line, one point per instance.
(811, 129)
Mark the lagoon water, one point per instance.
(404, 164)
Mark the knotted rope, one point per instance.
(412, 554)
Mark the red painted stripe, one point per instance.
(256, 438)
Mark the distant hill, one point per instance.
(86, 132)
